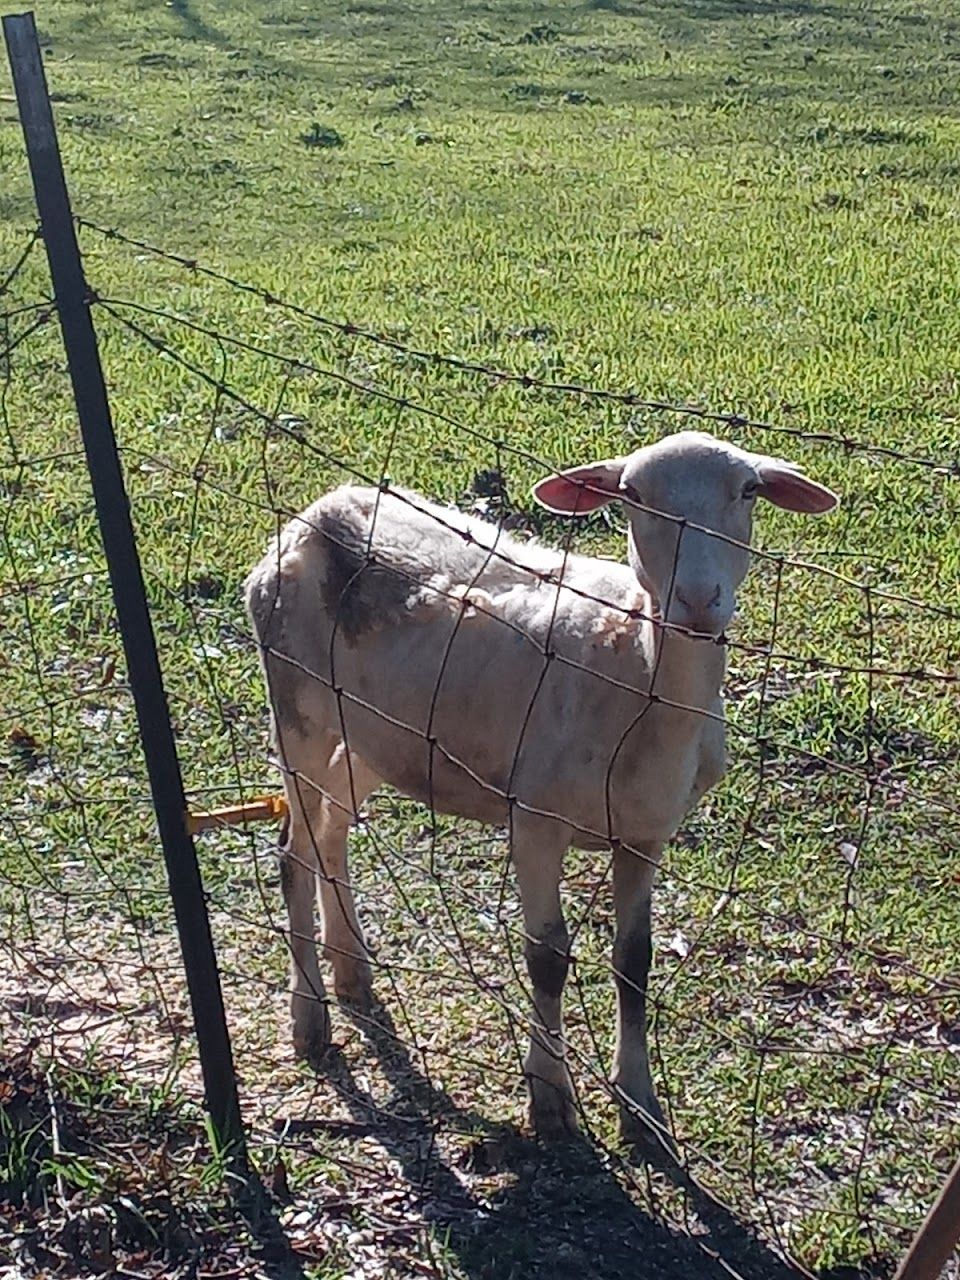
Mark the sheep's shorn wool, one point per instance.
(572, 700)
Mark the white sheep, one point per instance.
(574, 700)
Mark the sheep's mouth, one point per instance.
(678, 629)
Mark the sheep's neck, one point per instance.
(686, 672)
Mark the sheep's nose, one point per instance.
(707, 598)
(700, 607)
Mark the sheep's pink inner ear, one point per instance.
(581, 489)
(782, 485)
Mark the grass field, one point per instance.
(750, 208)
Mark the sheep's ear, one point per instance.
(581, 489)
(786, 486)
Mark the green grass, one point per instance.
(744, 207)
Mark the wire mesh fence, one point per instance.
(803, 1002)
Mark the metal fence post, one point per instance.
(126, 579)
(937, 1237)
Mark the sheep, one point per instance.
(574, 700)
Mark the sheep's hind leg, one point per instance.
(633, 874)
(321, 803)
(304, 779)
(538, 851)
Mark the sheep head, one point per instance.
(689, 499)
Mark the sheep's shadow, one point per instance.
(557, 1209)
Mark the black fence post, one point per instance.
(126, 579)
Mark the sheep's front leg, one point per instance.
(633, 874)
(309, 1014)
(538, 868)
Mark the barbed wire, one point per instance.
(949, 466)
(366, 477)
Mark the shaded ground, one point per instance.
(97, 1174)
(373, 1169)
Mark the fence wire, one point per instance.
(804, 1001)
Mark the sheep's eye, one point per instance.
(750, 490)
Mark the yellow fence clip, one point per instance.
(259, 809)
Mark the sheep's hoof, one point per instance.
(553, 1115)
(649, 1136)
(354, 986)
(312, 1031)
